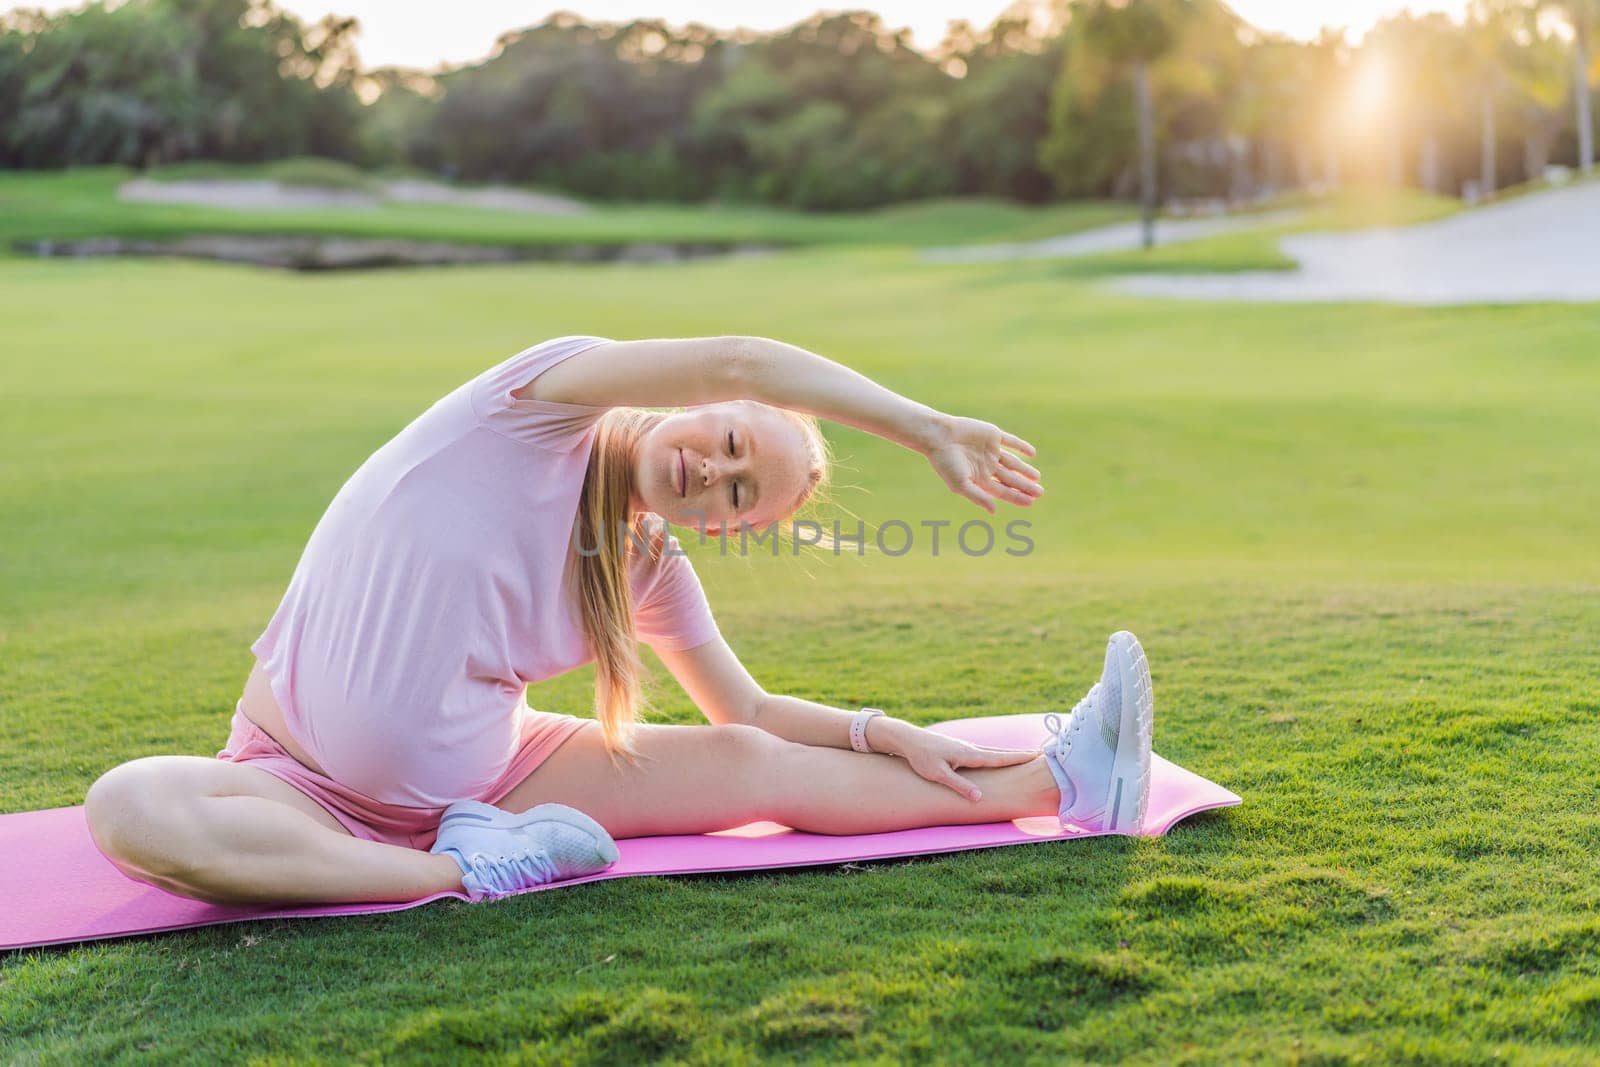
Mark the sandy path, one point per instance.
(1540, 247)
(1122, 237)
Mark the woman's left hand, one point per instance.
(980, 461)
(936, 757)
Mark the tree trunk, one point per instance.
(1580, 90)
(1533, 161)
(1430, 163)
(1239, 183)
(1272, 166)
(1486, 175)
(1538, 137)
(1305, 171)
(1147, 156)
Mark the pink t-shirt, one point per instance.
(435, 589)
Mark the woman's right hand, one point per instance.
(980, 461)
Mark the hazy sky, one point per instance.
(417, 34)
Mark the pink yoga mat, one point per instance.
(55, 887)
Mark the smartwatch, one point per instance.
(858, 729)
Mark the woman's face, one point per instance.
(717, 466)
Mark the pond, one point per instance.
(363, 253)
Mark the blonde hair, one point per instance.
(609, 532)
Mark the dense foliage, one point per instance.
(160, 80)
(837, 111)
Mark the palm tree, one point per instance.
(1426, 61)
(1137, 33)
(1536, 67)
(1489, 33)
(1581, 16)
(1270, 105)
(1327, 77)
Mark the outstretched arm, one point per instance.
(725, 693)
(975, 459)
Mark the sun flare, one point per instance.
(1371, 86)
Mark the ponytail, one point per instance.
(605, 599)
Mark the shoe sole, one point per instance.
(476, 811)
(1130, 769)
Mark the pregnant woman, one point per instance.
(383, 748)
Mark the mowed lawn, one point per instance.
(84, 202)
(1358, 543)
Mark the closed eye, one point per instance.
(735, 491)
(730, 442)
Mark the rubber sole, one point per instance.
(478, 812)
(1130, 769)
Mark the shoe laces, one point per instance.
(1062, 734)
(514, 871)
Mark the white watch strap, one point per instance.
(858, 729)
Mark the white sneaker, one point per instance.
(1101, 756)
(501, 852)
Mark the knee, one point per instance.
(132, 810)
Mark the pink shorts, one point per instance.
(542, 733)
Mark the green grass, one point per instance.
(82, 203)
(1357, 542)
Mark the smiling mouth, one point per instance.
(683, 475)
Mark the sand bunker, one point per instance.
(497, 198)
(1536, 248)
(267, 195)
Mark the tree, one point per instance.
(1272, 103)
(1521, 68)
(1134, 34)
(400, 109)
(1139, 99)
(1430, 95)
(999, 105)
(102, 86)
(1203, 82)
(600, 109)
(836, 112)
(157, 80)
(1488, 32)
(1326, 69)
(1538, 79)
(1091, 145)
(1581, 17)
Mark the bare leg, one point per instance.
(229, 833)
(696, 779)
